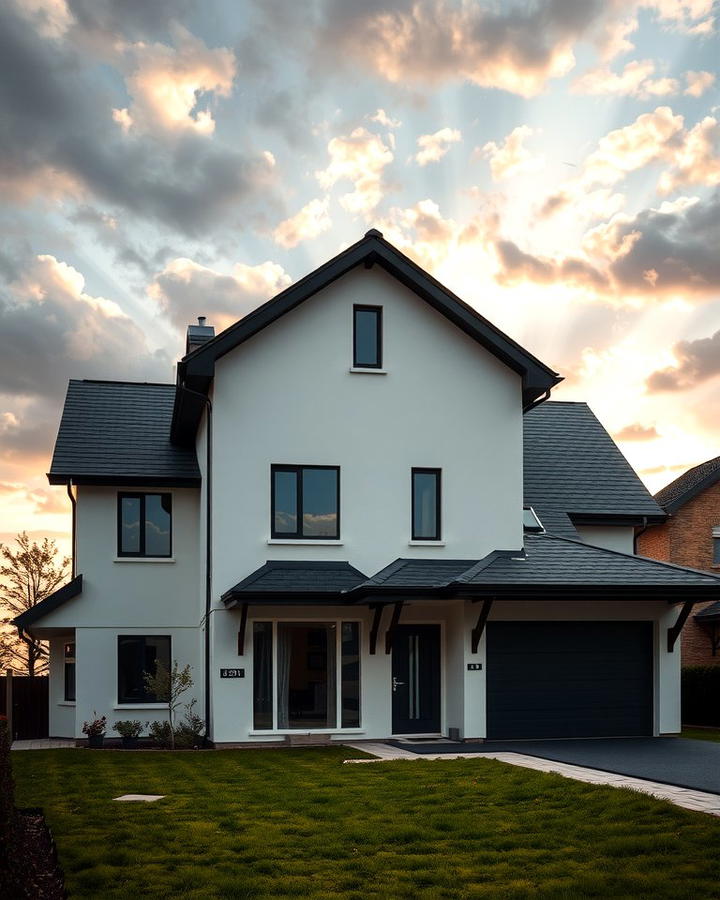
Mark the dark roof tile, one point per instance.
(689, 485)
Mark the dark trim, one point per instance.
(73, 536)
(109, 480)
(141, 496)
(674, 633)
(197, 369)
(72, 662)
(390, 633)
(672, 594)
(628, 519)
(50, 603)
(298, 534)
(241, 630)
(420, 470)
(378, 310)
(287, 598)
(375, 628)
(477, 631)
(145, 637)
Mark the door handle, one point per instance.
(396, 684)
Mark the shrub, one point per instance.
(128, 729)
(701, 695)
(161, 733)
(95, 727)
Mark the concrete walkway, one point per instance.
(44, 744)
(699, 801)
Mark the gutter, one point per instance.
(208, 549)
(73, 501)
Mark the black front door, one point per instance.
(416, 679)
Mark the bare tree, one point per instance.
(27, 576)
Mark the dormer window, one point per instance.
(367, 337)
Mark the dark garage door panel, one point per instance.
(569, 679)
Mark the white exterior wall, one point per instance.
(127, 597)
(612, 537)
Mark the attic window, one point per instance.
(531, 522)
(367, 337)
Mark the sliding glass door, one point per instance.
(313, 672)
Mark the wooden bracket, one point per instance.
(674, 633)
(390, 633)
(375, 628)
(477, 631)
(241, 632)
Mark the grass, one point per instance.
(702, 734)
(299, 823)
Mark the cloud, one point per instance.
(185, 289)
(166, 82)
(696, 160)
(434, 146)
(698, 83)
(52, 18)
(57, 124)
(688, 16)
(516, 266)
(634, 80)
(313, 219)
(511, 158)
(359, 157)
(636, 432)
(382, 118)
(697, 361)
(516, 48)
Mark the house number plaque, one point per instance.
(232, 673)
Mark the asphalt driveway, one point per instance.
(680, 761)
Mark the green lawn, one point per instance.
(299, 823)
(702, 734)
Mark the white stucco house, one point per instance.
(356, 513)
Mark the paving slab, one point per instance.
(140, 798)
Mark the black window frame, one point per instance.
(124, 637)
(378, 310)
(426, 470)
(298, 535)
(69, 665)
(141, 495)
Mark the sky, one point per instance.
(556, 164)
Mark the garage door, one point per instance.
(569, 679)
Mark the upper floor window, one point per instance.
(367, 337)
(426, 504)
(144, 524)
(716, 545)
(305, 502)
(138, 656)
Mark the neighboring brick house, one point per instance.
(691, 537)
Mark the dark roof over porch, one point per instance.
(280, 580)
(51, 602)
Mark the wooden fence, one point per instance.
(24, 700)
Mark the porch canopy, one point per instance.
(548, 567)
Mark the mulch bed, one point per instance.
(41, 877)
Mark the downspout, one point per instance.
(208, 550)
(73, 501)
(642, 530)
(545, 396)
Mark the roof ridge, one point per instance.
(111, 381)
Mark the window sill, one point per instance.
(426, 543)
(66, 703)
(359, 370)
(289, 542)
(300, 731)
(141, 706)
(144, 559)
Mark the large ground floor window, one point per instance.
(306, 675)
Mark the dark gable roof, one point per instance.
(119, 433)
(293, 579)
(51, 602)
(709, 614)
(574, 471)
(689, 485)
(197, 369)
(419, 573)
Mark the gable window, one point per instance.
(367, 337)
(716, 545)
(305, 502)
(426, 504)
(69, 652)
(139, 655)
(144, 525)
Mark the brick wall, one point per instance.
(686, 539)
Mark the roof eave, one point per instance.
(111, 480)
(28, 618)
